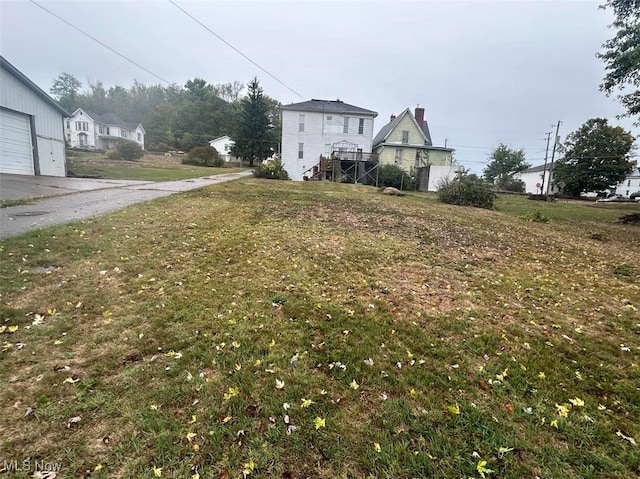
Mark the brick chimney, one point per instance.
(420, 117)
(392, 117)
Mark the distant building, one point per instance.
(223, 145)
(406, 142)
(87, 129)
(538, 177)
(316, 128)
(631, 183)
(31, 127)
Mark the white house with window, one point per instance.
(223, 145)
(87, 129)
(631, 183)
(314, 128)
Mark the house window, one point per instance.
(301, 123)
(327, 149)
(101, 129)
(417, 158)
(405, 137)
(68, 125)
(82, 126)
(398, 156)
(361, 127)
(329, 118)
(628, 182)
(300, 151)
(82, 139)
(108, 131)
(359, 154)
(345, 125)
(226, 147)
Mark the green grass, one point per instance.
(19, 202)
(149, 168)
(213, 330)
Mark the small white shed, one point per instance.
(31, 127)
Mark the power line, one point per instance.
(99, 42)
(234, 48)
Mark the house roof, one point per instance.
(32, 86)
(535, 169)
(329, 106)
(386, 130)
(220, 138)
(110, 119)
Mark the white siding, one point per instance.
(223, 146)
(630, 185)
(437, 174)
(533, 178)
(319, 131)
(16, 96)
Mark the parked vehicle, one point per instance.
(635, 196)
(612, 199)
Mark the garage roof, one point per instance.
(4, 63)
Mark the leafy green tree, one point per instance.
(596, 157)
(65, 88)
(504, 163)
(254, 138)
(622, 55)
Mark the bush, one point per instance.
(393, 175)
(203, 156)
(129, 150)
(511, 184)
(271, 169)
(535, 217)
(467, 190)
(113, 154)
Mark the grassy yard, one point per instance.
(278, 329)
(149, 168)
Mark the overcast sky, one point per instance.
(486, 72)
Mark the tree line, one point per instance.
(174, 116)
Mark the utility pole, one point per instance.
(544, 170)
(553, 153)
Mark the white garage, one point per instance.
(31, 127)
(15, 143)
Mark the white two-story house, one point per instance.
(87, 129)
(316, 128)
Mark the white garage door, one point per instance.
(16, 153)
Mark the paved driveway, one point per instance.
(81, 198)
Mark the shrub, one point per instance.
(203, 156)
(535, 217)
(467, 190)
(113, 154)
(271, 169)
(511, 184)
(393, 175)
(129, 150)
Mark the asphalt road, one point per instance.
(80, 198)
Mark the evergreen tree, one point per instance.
(254, 139)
